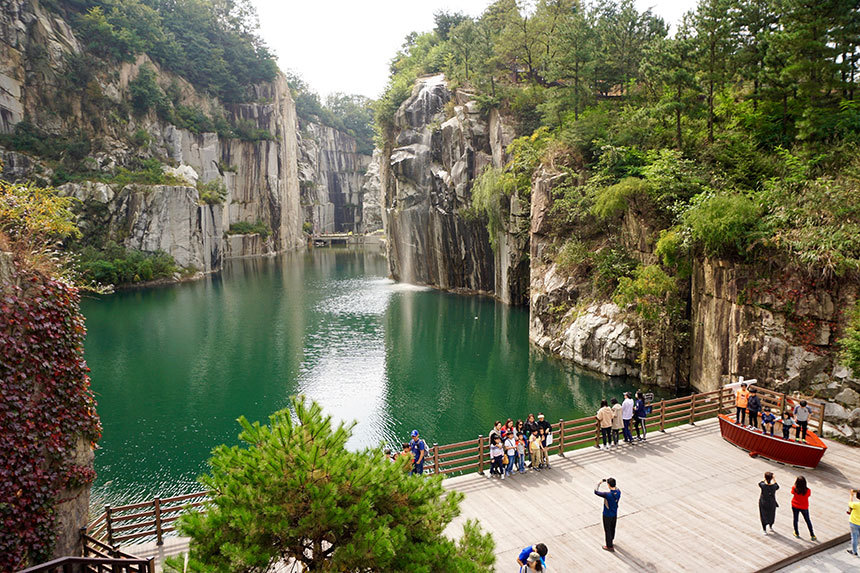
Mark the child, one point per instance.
(787, 424)
(534, 448)
(767, 419)
(496, 454)
(511, 451)
(521, 452)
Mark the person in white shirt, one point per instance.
(626, 416)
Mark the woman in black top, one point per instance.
(767, 502)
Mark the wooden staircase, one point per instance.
(98, 557)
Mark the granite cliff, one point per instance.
(441, 141)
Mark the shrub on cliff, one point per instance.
(293, 491)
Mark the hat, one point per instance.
(414, 433)
(540, 415)
(534, 556)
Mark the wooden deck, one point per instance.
(689, 499)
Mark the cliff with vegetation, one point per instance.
(689, 200)
(175, 131)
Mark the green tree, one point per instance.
(714, 46)
(294, 491)
(669, 72)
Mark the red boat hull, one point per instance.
(785, 451)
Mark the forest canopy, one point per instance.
(738, 133)
(214, 44)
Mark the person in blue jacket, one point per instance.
(610, 510)
(541, 550)
(640, 411)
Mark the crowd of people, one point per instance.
(748, 403)
(516, 445)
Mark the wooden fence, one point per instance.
(117, 525)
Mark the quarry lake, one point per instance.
(173, 367)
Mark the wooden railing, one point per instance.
(452, 459)
(154, 518)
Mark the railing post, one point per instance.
(692, 409)
(480, 454)
(83, 533)
(820, 419)
(720, 398)
(596, 434)
(435, 458)
(109, 525)
(158, 539)
(561, 437)
(782, 400)
(662, 414)
(151, 565)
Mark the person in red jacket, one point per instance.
(800, 493)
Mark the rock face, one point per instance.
(779, 329)
(331, 178)
(260, 177)
(371, 188)
(441, 142)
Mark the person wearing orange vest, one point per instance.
(742, 396)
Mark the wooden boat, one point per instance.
(771, 447)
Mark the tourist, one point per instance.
(787, 424)
(534, 450)
(533, 563)
(545, 429)
(801, 421)
(389, 455)
(538, 548)
(610, 510)
(496, 431)
(617, 421)
(497, 454)
(604, 419)
(521, 448)
(767, 501)
(626, 416)
(510, 445)
(419, 450)
(530, 427)
(640, 412)
(406, 452)
(510, 428)
(753, 407)
(767, 420)
(800, 493)
(854, 520)
(741, 397)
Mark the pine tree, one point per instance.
(294, 492)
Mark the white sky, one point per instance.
(346, 45)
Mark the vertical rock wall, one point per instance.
(435, 152)
(260, 177)
(331, 178)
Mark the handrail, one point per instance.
(455, 458)
(83, 564)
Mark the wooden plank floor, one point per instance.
(689, 500)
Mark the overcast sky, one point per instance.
(346, 45)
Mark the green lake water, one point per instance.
(172, 368)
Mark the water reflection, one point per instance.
(174, 367)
